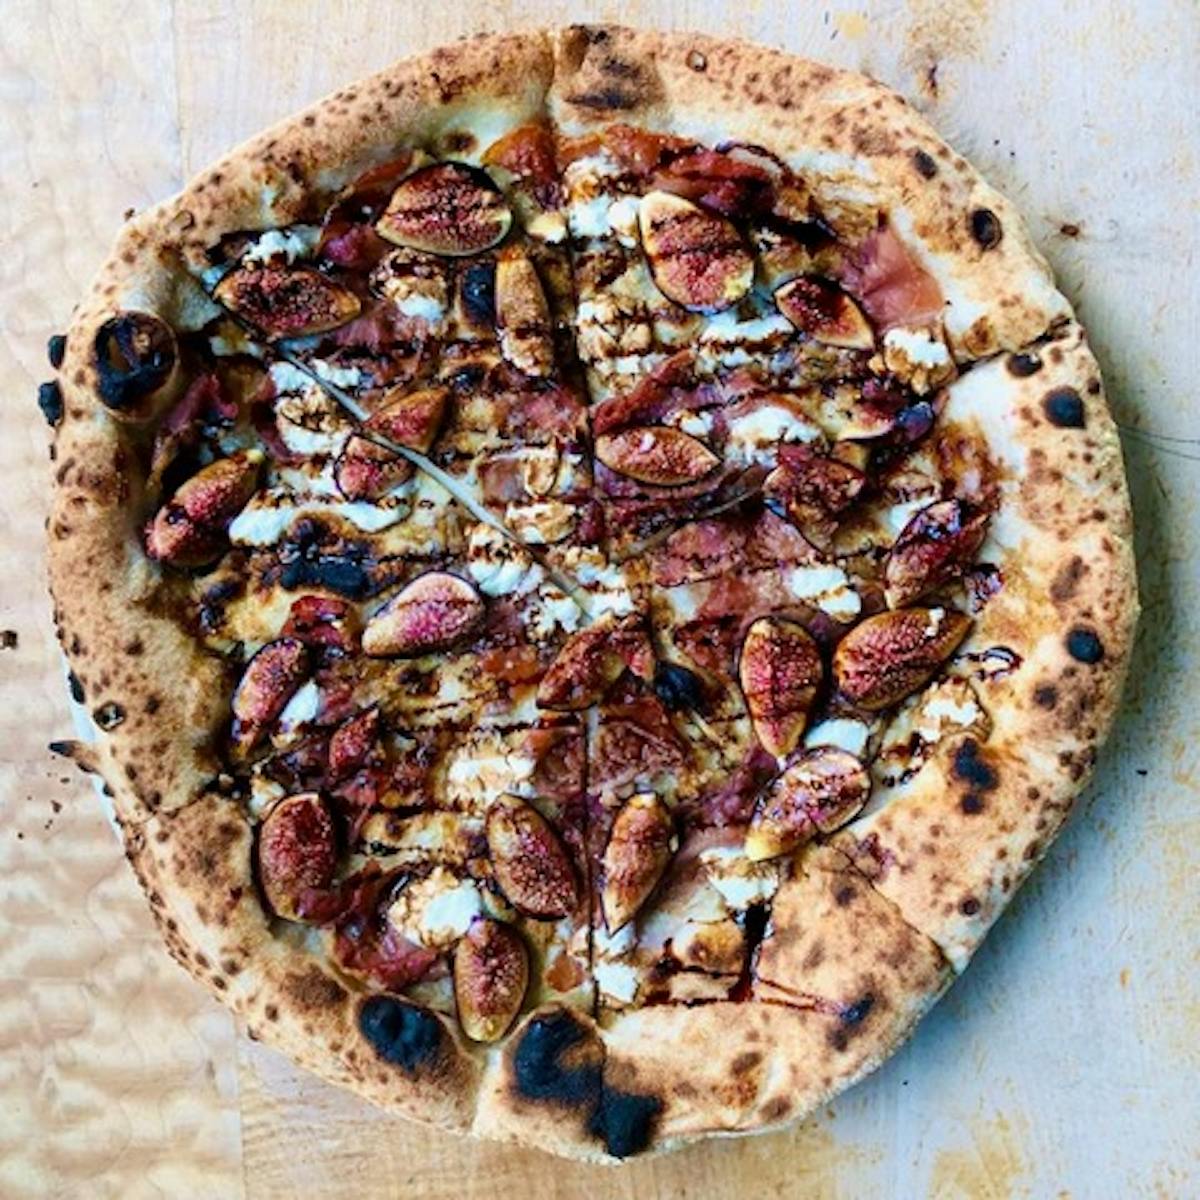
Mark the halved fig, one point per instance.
(593, 659)
(528, 859)
(656, 454)
(367, 471)
(136, 359)
(287, 302)
(825, 313)
(890, 655)
(639, 848)
(811, 491)
(269, 681)
(433, 612)
(780, 671)
(189, 530)
(411, 418)
(353, 743)
(822, 790)
(523, 317)
(449, 208)
(936, 545)
(491, 976)
(297, 850)
(697, 258)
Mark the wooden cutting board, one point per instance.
(1062, 1064)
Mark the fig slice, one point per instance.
(528, 859)
(892, 654)
(812, 491)
(190, 529)
(287, 302)
(593, 659)
(697, 258)
(825, 313)
(639, 848)
(656, 454)
(822, 790)
(491, 977)
(297, 850)
(780, 671)
(937, 545)
(367, 471)
(450, 208)
(431, 613)
(269, 681)
(523, 317)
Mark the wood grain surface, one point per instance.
(1063, 1063)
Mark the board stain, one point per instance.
(991, 1167)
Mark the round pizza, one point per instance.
(599, 561)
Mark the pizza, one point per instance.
(599, 562)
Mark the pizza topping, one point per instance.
(639, 848)
(528, 859)
(678, 688)
(368, 471)
(527, 152)
(436, 909)
(780, 671)
(890, 655)
(353, 743)
(136, 354)
(947, 707)
(287, 302)
(656, 454)
(740, 880)
(593, 659)
(450, 209)
(417, 284)
(190, 529)
(812, 491)
(935, 546)
(825, 313)
(432, 612)
(918, 358)
(697, 258)
(270, 679)
(523, 317)
(491, 977)
(297, 849)
(822, 790)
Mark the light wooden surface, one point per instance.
(1063, 1064)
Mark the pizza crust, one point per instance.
(926, 875)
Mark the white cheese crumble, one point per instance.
(547, 227)
(301, 708)
(297, 241)
(757, 433)
(421, 307)
(740, 882)
(623, 219)
(556, 612)
(345, 377)
(841, 733)
(617, 980)
(497, 568)
(918, 346)
(270, 514)
(437, 910)
(828, 586)
(589, 218)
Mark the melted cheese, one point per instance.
(842, 733)
(828, 587)
(298, 241)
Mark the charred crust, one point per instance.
(1023, 365)
(108, 716)
(401, 1033)
(559, 1061)
(56, 349)
(970, 767)
(134, 354)
(925, 164)
(76, 687)
(986, 228)
(1084, 645)
(50, 401)
(1045, 696)
(856, 1013)
(1064, 407)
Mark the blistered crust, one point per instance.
(850, 137)
(954, 846)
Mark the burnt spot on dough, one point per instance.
(50, 401)
(849, 1019)
(1064, 407)
(76, 687)
(1045, 696)
(1066, 579)
(1084, 645)
(696, 61)
(925, 164)
(624, 1121)
(56, 349)
(109, 716)
(558, 1061)
(986, 228)
(969, 907)
(1023, 365)
(970, 767)
(400, 1033)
